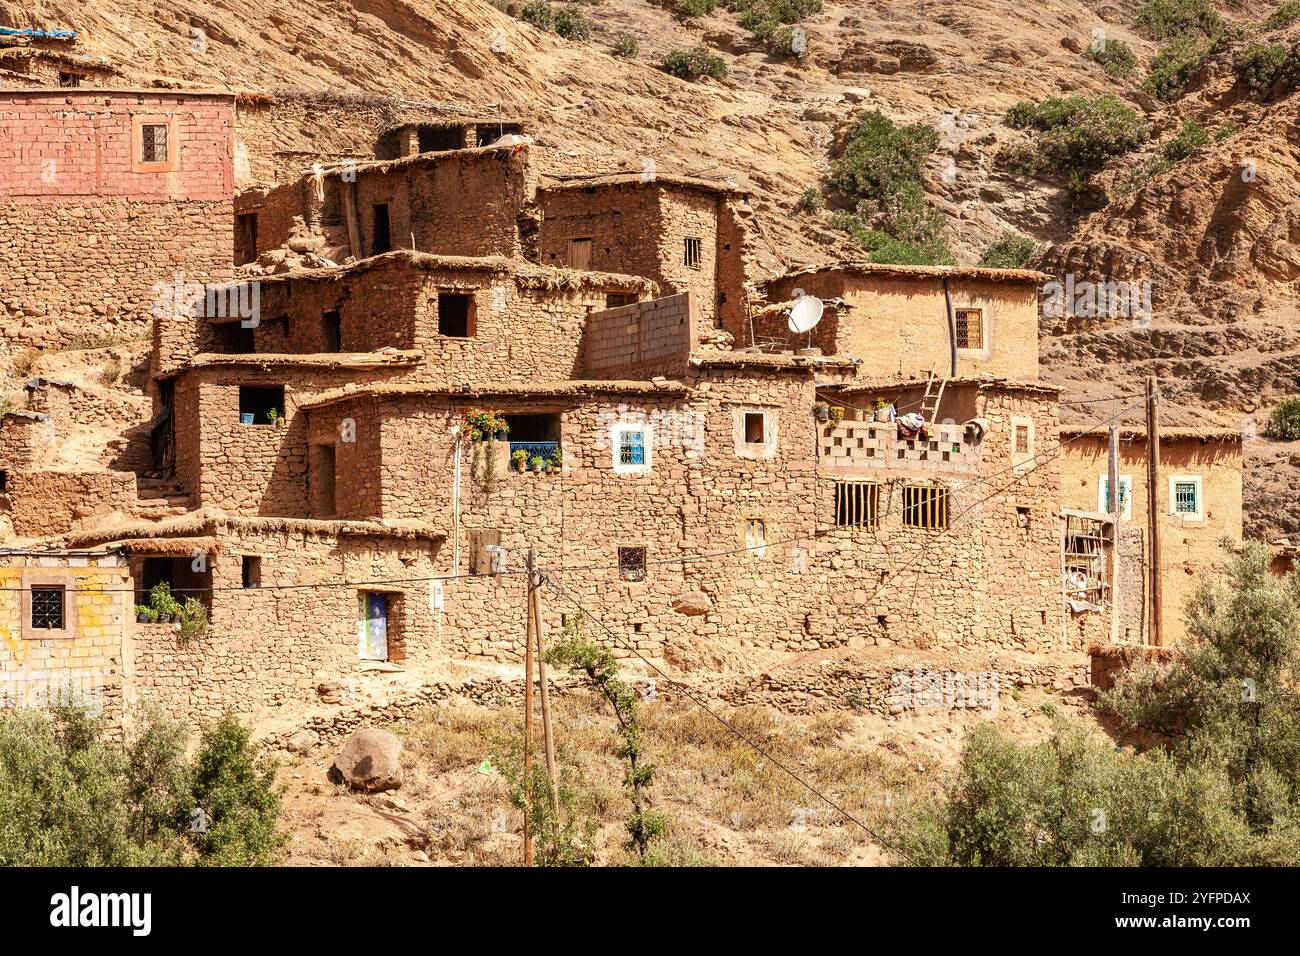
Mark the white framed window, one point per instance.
(1186, 499)
(633, 448)
(1022, 440)
(756, 536)
(1125, 496)
(754, 431)
(971, 329)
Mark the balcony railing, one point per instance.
(535, 449)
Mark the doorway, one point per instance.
(372, 626)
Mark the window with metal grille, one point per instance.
(631, 564)
(857, 504)
(756, 536)
(1185, 498)
(925, 506)
(631, 447)
(1022, 439)
(47, 608)
(970, 328)
(693, 252)
(153, 143)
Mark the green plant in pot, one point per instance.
(194, 621)
(274, 417)
(536, 463)
(165, 607)
(520, 460)
(882, 410)
(556, 461)
(144, 614)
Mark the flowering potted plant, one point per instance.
(480, 423)
(520, 460)
(882, 410)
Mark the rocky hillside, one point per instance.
(1218, 249)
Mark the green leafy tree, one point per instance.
(1284, 423)
(561, 818)
(578, 655)
(238, 803)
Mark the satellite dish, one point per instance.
(806, 314)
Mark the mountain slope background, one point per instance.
(1221, 251)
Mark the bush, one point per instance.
(1173, 66)
(1138, 177)
(1284, 423)
(886, 249)
(1163, 19)
(1283, 15)
(235, 788)
(1010, 250)
(763, 18)
(1075, 134)
(1115, 57)
(626, 46)
(789, 42)
(1260, 65)
(811, 200)
(1190, 137)
(694, 63)
(571, 23)
(696, 8)
(539, 13)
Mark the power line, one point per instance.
(562, 592)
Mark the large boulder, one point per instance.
(370, 761)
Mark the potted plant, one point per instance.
(823, 412)
(480, 423)
(274, 417)
(165, 607)
(144, 614)
(556, 461)
(536, 463)
(882, 410)
(837, 415)
(520, 460)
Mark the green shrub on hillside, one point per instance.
(1173, 66)
(1010, 250)
(1075, 134)
(1284, 423)
(1115, 56)
(1282, 16)
(626, 46)
(1190, 137)
(1261, 65)
(1163, 19)
(696, 8)
(694, 63)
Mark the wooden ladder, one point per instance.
(934, 386)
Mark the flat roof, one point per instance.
(86, 92)
(421, 159)
(204, 525)
(902, 271)
(1167, 432)
(307, 359)
(622, 178)
(980, 381)
(771, 360)
(561, 389)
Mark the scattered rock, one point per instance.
(302, 741)
(369, 762)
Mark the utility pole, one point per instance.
(1156, 610)
(548, 740)
(528, 716)
(1116, 513)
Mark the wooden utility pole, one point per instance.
(1156, 610)
(535, 606)
(1116, 513)
(528, 717)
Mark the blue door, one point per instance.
(372, 626)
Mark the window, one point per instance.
(1185, 496)
(251, 571)
(1125, 496)
(153, 143)
(1086, 560)
(71, 79)
(380, 238)
(631, 564)
(257, 403)
(4, 480)
(456, 315)
(1022, 517)
(756, 536)
(693, 251)
(438, 139)
(925, 506)
(580, 254)
(970, 328)
(857, 504)
(1022, 441)
(47, 608)
(633, 448)
(754, 422)
(754, 432)
(614, 300)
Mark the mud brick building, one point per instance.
(104, 194)
(1199, 505)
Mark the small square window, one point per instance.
(857, 504)
(456, 315)
(251, 571)
(153, 143)
(631, 563)
(754, 422)
(1125, 496)
(1185, 497)
(632, 448)
(47, 608)
(693, 252)
(970, 328)
(260, 405)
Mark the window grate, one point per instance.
(631, 564)
(857, 504)
(1185, 498)
(153, 143)
(1022, 439)
(970, 328)
(925, 506)
(631, 448)
(47, 608)
(694, 251)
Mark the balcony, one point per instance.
(858, 446)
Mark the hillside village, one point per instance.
(292, 424)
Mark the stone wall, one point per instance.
(642, 339)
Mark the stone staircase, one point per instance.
(158, 499)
